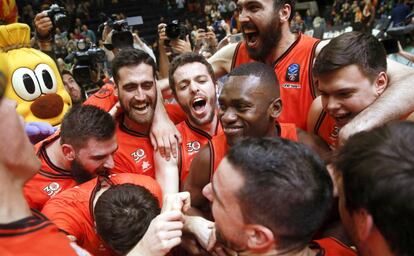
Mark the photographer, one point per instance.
(170, 44)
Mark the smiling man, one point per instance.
(134, 75)
(249, 104)
(351, 75)
(268, 39)
(83, 149)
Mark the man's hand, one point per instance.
(43, 25)
(180, 46)
(38, 131)
(162, 36)
(163, 234)
(164, 135)
(202, 229)
(176, 202)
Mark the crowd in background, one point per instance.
(221, 16)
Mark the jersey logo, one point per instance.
(292, 86)
(145, 166)
(138, 154)
(293, 72)
(193, 147)
(103, 93)
(52, 189)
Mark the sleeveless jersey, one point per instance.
(326, 128)
(71, 210)
(332, 247)
(49, 181)
(192, 140)
(34, 235)
(135, 153)
(294, 72)
(218, 145)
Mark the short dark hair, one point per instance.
(286, 188)
(123, 214)
(277, 4)
(184, 59)
(84, 122)
(358, 48)
(131, 57)
(66, 72)
(377, 170)
(265, 72)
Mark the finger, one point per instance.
(178, 137)
(186, 199)
(170, 215)
(173, 234)
(187, 38)
(170, 226)
(154, 142)
(169, 244)
(167, 148)
(174, 146)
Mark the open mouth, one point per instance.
(342, 119)
(251, 35)
(141, 107)
(199, 105)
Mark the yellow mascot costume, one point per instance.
(33, 77)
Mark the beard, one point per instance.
(139, 119)
(81, 175)
(226, 243)
(270, 37)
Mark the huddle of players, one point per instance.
(267, 194)
(121, 206)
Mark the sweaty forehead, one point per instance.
(244, 86)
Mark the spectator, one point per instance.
(86, 32)
(399, 12)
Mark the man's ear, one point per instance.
(284, 13)
(260, 239)
(68, 152)
(116, 90)
(363, 223)
(275, 108)
(381, 83)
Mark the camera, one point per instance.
(175, 30)
(85, 61)
(121, 36)
(58, 17)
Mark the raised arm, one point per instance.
(197, 179)
(221, 60)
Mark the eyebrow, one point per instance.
(99, 156)
(215, 195)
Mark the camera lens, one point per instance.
(61, 21)
(173, 31)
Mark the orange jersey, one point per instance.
(105, 99)
(49, 180)
(34, 235)
(192, 140)
(135, 153)
(332, 247)
(70, 210)
(219, 147)
(294, 72)
(327, 129)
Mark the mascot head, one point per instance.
(33, 79)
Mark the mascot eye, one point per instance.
(25, 84)
(47, 78)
